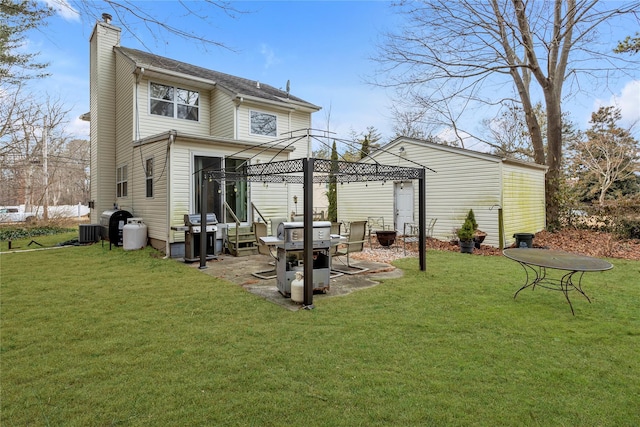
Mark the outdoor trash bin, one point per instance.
(524, 240)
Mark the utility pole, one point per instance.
(45, 169)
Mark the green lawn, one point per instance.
(93, 337)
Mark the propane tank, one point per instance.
(297, 288)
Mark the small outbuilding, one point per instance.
(506, 195)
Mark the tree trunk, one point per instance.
(554, 159)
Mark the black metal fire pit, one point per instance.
(386, 238)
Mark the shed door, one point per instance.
(404, 204)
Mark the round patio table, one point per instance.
(537, 261)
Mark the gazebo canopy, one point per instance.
(292, 172)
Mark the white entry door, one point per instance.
(404, 204)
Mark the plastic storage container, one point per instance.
(134, 234)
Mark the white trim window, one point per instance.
(171, 101)
(148, 172)
(122, 181)
(264, 124)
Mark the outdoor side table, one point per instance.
(538, 261)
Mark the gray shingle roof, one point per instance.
(237, 85)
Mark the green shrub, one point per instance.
(14, 233)
(465, 233)
(628, 228)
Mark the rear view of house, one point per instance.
(157, 123)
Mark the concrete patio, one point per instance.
(238, 270)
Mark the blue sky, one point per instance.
(323, 48)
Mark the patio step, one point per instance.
(244, 245)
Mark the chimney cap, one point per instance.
(107, 18)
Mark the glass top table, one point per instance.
(536, 261)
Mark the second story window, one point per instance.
(263, 123)
(171, 101)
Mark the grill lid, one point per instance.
(194, 219)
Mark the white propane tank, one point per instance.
(297, 288)
(134, 234)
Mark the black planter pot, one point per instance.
(386, 238)
(466, 246)
(478, 239)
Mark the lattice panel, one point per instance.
(291, 171)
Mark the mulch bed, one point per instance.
(584, 242)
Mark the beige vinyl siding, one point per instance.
(523, 201)
(153, 210)
(461, 182)
(271, 200)
(151, 124)
(357, 201)
(181, 187)
(299, 121)
(102, 125)
(124, 130)
(243, 123)
(222, 114)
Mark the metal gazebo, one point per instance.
(308, 171)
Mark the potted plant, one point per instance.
(465, 236)
(478, 235)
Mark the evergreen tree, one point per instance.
(364, 151)
(332, 192)
(607, 156)
(16, 18)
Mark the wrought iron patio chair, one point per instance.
(374, 224)
(410, 235)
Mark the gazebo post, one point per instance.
(422, 220)
(203, 219)
(307, 169)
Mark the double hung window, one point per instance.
(122, 181)
(263, 123)
(172, 101)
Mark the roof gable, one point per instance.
(460, 151)
(238, 86)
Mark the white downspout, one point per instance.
(168, 213)
(236, 127)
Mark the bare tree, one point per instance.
(452, 56)
(26, 123)
(69, 180)
(137, 16)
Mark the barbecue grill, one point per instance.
(193, 234)
(291, 253)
